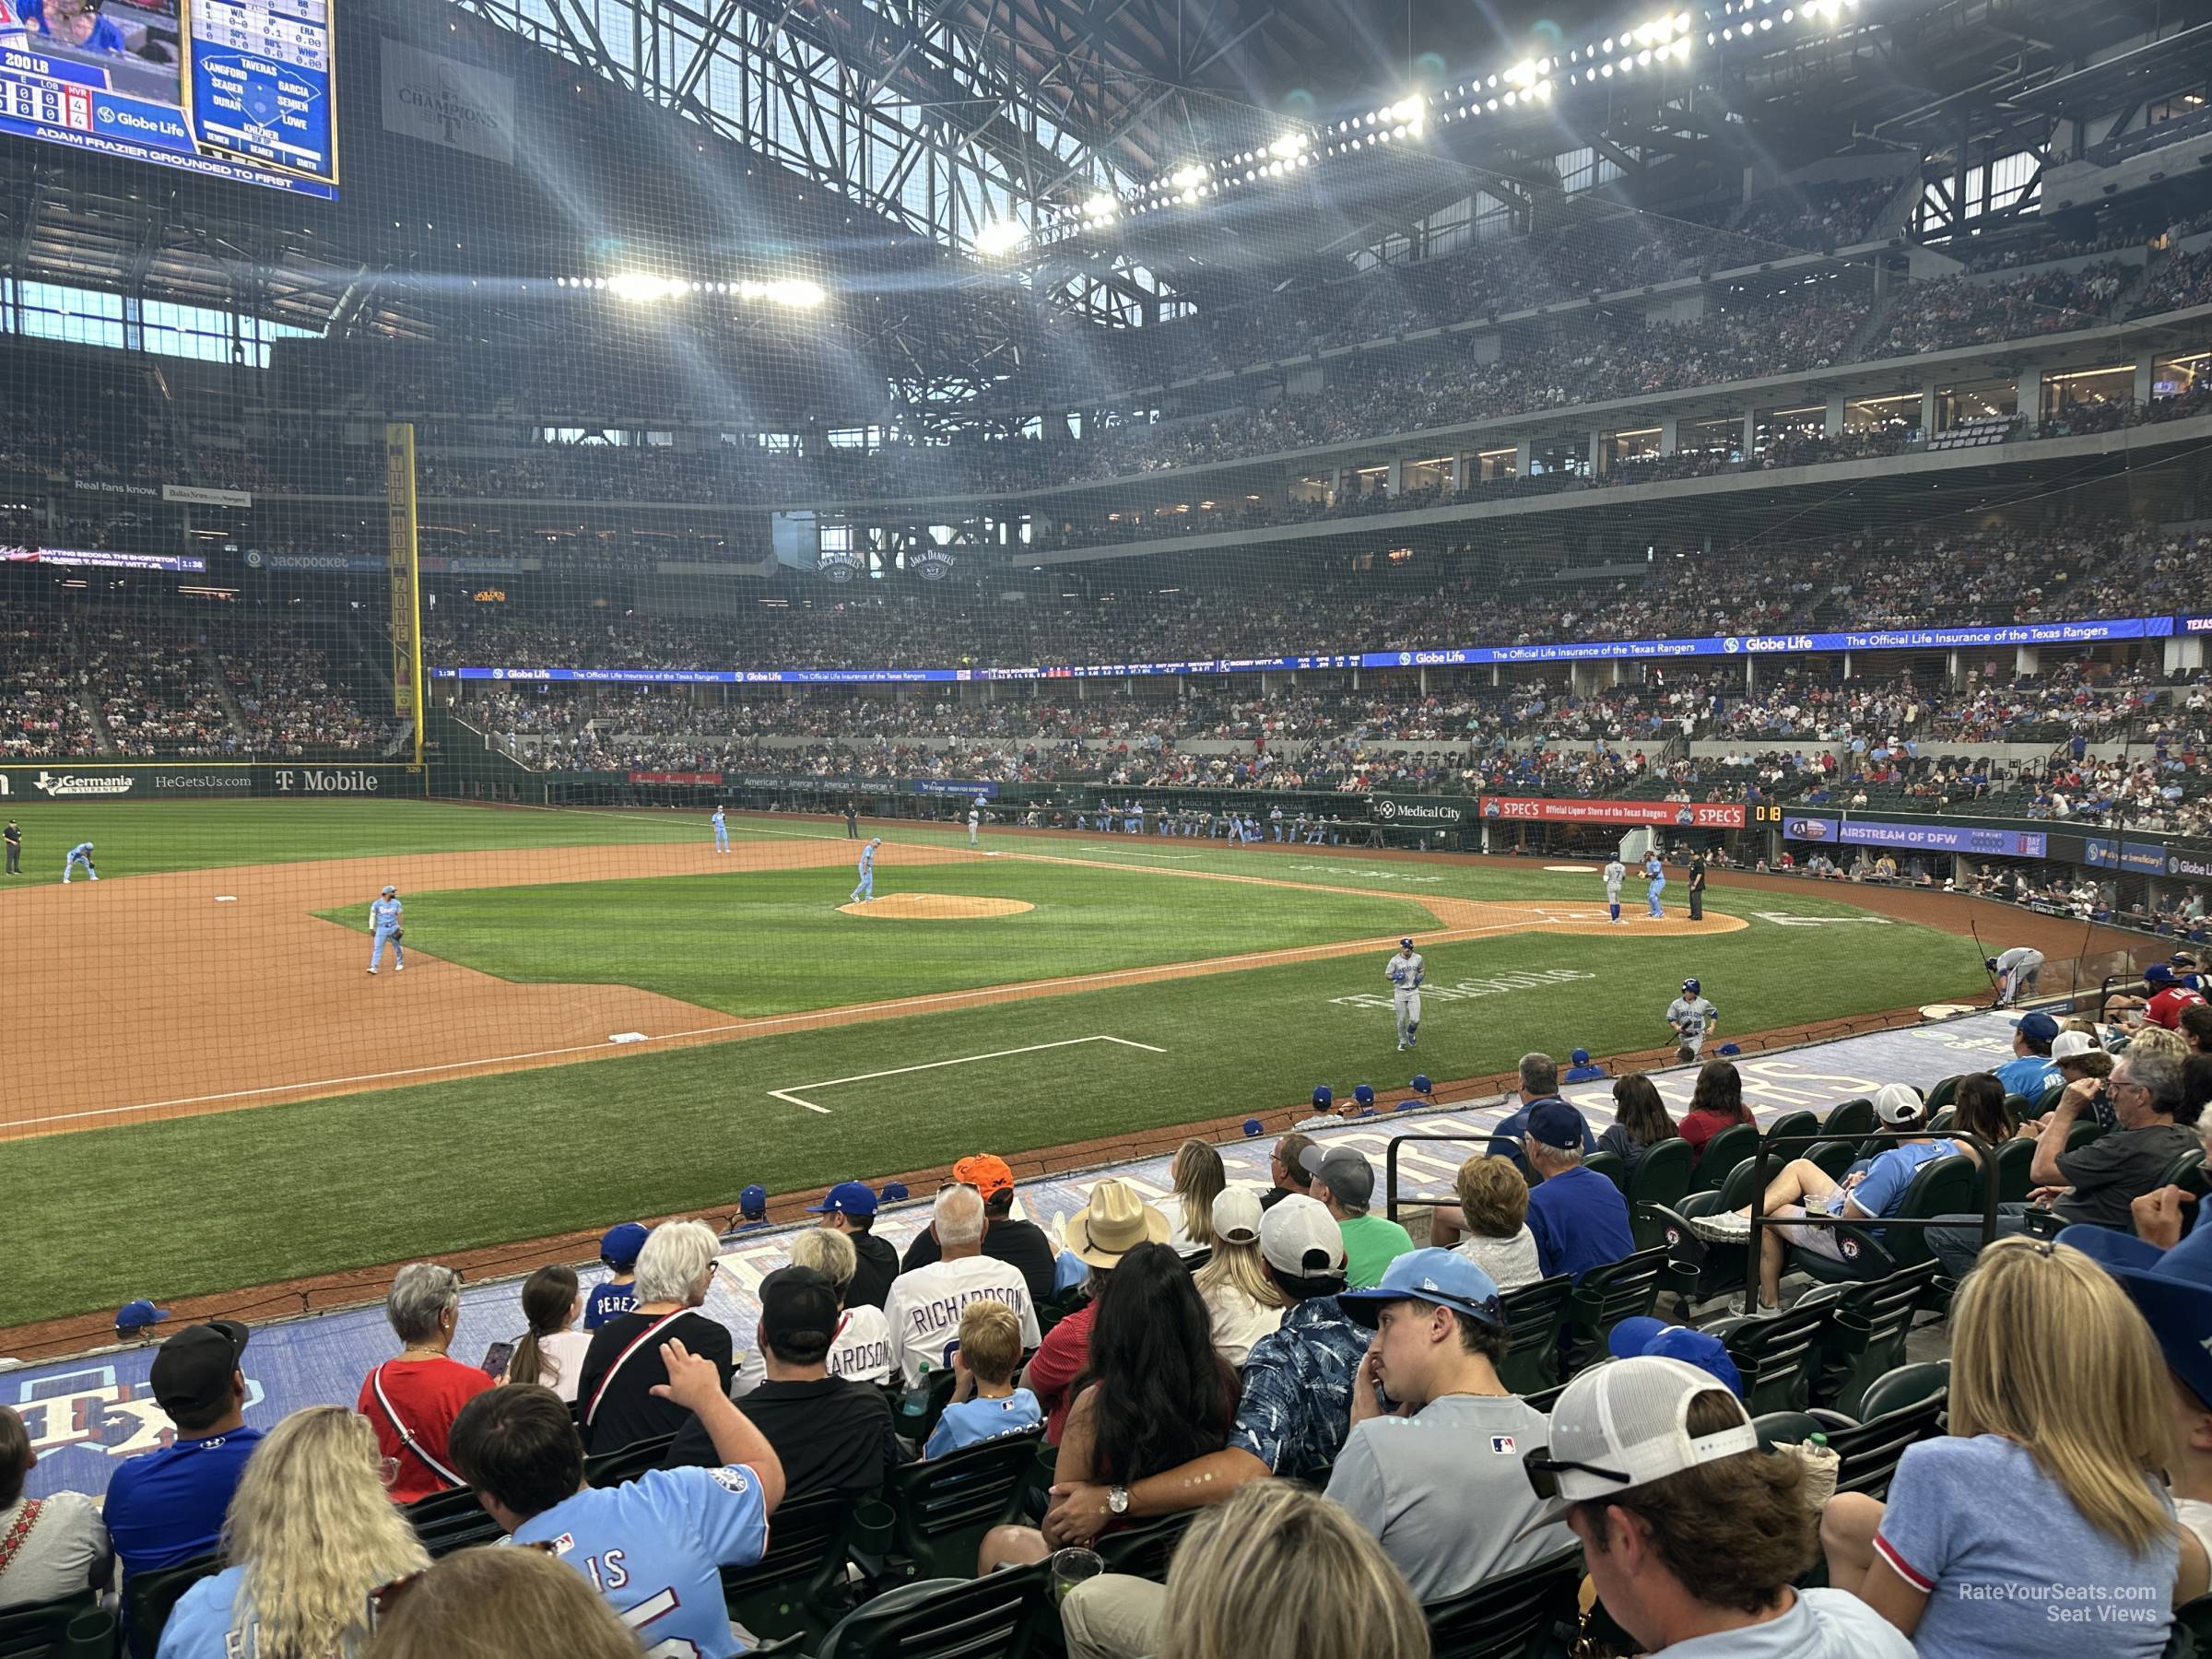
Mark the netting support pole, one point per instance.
(405, 578)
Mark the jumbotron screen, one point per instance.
(230, 88)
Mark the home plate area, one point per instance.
(935, 906)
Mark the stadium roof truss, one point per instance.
(946, 115)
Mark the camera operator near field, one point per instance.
(2094, 1185)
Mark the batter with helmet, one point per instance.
(1405, 972)
(1692, 1017)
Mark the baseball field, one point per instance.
(602, 1017)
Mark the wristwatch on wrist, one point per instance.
(1117, 1500)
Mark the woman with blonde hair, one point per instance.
(2050, 1477)
(1279, 1569)
(862, 1348)
(1198, 1178)
(1493, 1197)
(1241, 1295)
(309, 1535)
(499, 1603)
(551, 1351)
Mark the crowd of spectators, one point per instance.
(1955, 311)
(1325, 1401)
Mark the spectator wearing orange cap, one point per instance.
(1020, 1244)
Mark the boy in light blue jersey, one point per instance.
(722, 832)
(866, 889)
(985, 1403)
(654, 1547)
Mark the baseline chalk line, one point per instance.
(792, 1095)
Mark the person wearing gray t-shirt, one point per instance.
(1436, 1474)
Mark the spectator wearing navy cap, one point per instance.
(849, 1207)
(752, 1206)
(1579, 1217)
(1324, 1114)
(1423, 1089)
(1645, 1335)
(1436, 1474)
(135, 1319)
(167, 1507)
(1580, 1069)
(2030, 1071)
(615, 1294)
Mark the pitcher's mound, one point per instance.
(935, 907)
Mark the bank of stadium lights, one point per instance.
(641, 287)
(1748, 20)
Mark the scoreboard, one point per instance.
(237, 89)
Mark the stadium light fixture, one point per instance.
(998, 236)
(641, 287)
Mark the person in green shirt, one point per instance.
(1345, 1181)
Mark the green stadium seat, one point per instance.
(1941, 1095)
(1777, 1356)
(799, 1586)
(943, 1507)
(148, 1598)
(1788, 1127)
(1867, 1336)
(626, 1462)
(1851, 1118)
(1535, 1316)
(1662, 1178)
(73, 1627)
(1145, 1548)
(1610, 1166)
(1521, 1614)
(949, 1618)
(1731, 1147)
(1628, 1288)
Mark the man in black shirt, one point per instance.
(1020, 1244)
(850, 1208)
(15, 849)
(1696, 887)
(852, 820)
(831, 1434)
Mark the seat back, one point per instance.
(2180, 1166)
(1608, 1164)
(51, 1629)
(1785, 1428)
(1789, 1125)
(1870, 1452)
(1873, 1321)
(1942, 1186)
(1776, 1358)
(1904, 1386)
(1628, 1288)
(148, 1598)
(945, 1505)
(2015, 1160)
(626, 1462)
(1516, 1616)
(1730, 1148)
(977, 1618)
(2047, 1102)
(2085, 1130)
(1662, 1178)
(1851, 1118)
(1833, 1157)
(790, 1590)
(1535, 1315)
(1942, 1094)
(1145, 1549)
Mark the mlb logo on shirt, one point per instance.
(732, 1481)
(1502, 1444)
(565, 1543)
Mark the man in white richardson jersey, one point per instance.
(1616, 873)
(1405, 972)
(923, 1307)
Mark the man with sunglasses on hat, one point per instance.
(1432, 1464)
(1692, 1537)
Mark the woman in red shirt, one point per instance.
(412, 1401)
(1717, 1103)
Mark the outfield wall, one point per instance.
(82, 781)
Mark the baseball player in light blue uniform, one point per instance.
(1654, 872)
(1405, 970)
(866, 889)
(721, 832)
(384, 922)
(80, 853)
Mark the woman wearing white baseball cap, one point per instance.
(1692, 1535)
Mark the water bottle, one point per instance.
(913, 1405)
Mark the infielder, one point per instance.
(1405, 972)
(383, 921)
(80, 853)
(1616, 873)
(721, 832)
(2016, 970)
(1654, 873)
(866, 889)
(1692, 1017)
(975, 817)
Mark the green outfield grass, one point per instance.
(773, 941)
(210, 1203)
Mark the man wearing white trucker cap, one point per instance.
(1691, 1534)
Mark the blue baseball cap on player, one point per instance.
(620, 1245)
(846, 1198)
(1253, 1127)
(894, 1191)
(1421, 1086)
(1325, 1097)
(1406, 941)
(1580, 1056)
(138, 1315)
(753, 1201)
(1364, 1094)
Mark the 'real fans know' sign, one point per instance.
(459, 106)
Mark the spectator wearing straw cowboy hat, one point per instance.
(1112, 1223)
